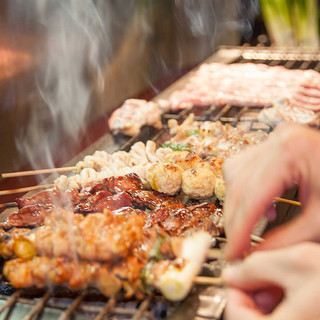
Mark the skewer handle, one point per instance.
(26, 189)
(35, 172)
(208, 281)
(295, 203)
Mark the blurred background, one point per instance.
(66, 64)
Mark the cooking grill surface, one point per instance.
(202, 303)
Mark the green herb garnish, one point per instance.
(192, 133)
(177, 147)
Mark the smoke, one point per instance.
(77, 41)
(73, 45)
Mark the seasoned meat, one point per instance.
(185, 159)
(170, 267)
(154, 200)
(199, 182)
(41, 271)
(102, 237)
(114, 184)
(51, 197)
(28, 216)
(165, 177)
(123, 183)
(103, 200)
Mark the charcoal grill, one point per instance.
(206, 302)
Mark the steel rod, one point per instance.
(142, 308)
(106, 309)
(66, 314)
(12, 300)
(38, 307)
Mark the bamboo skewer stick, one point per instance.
(214, 253)
(35, 172)
(295, 203)
(216, 281)
(26, 189)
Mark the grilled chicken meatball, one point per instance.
(185, 159)
(165, 177)
(220, 189)
(199, 182)
(216, 165)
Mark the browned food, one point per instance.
(103, 200)
(212, 138)
(206, 211)
(185, 159)
(182, 222)
(52, 196)
(154, 200)
(128, 182)
(28, 216)
(170, 267)
(165, 177)
(104, 236)
(199, 181)
(9, 240)
(42, 271)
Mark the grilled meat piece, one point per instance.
(118, 184)
(153, 200)
(51, 197)
(128, 182)
(28, 216)
(103, 200)
(207, 210)
(92, 188)
(182, 222)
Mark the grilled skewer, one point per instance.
(172, 275)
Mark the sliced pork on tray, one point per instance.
(245, 84)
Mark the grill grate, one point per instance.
(206, 303)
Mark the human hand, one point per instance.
(253, 293)
(290, 155)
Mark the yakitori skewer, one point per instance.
(35, 172)
(47, 186)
